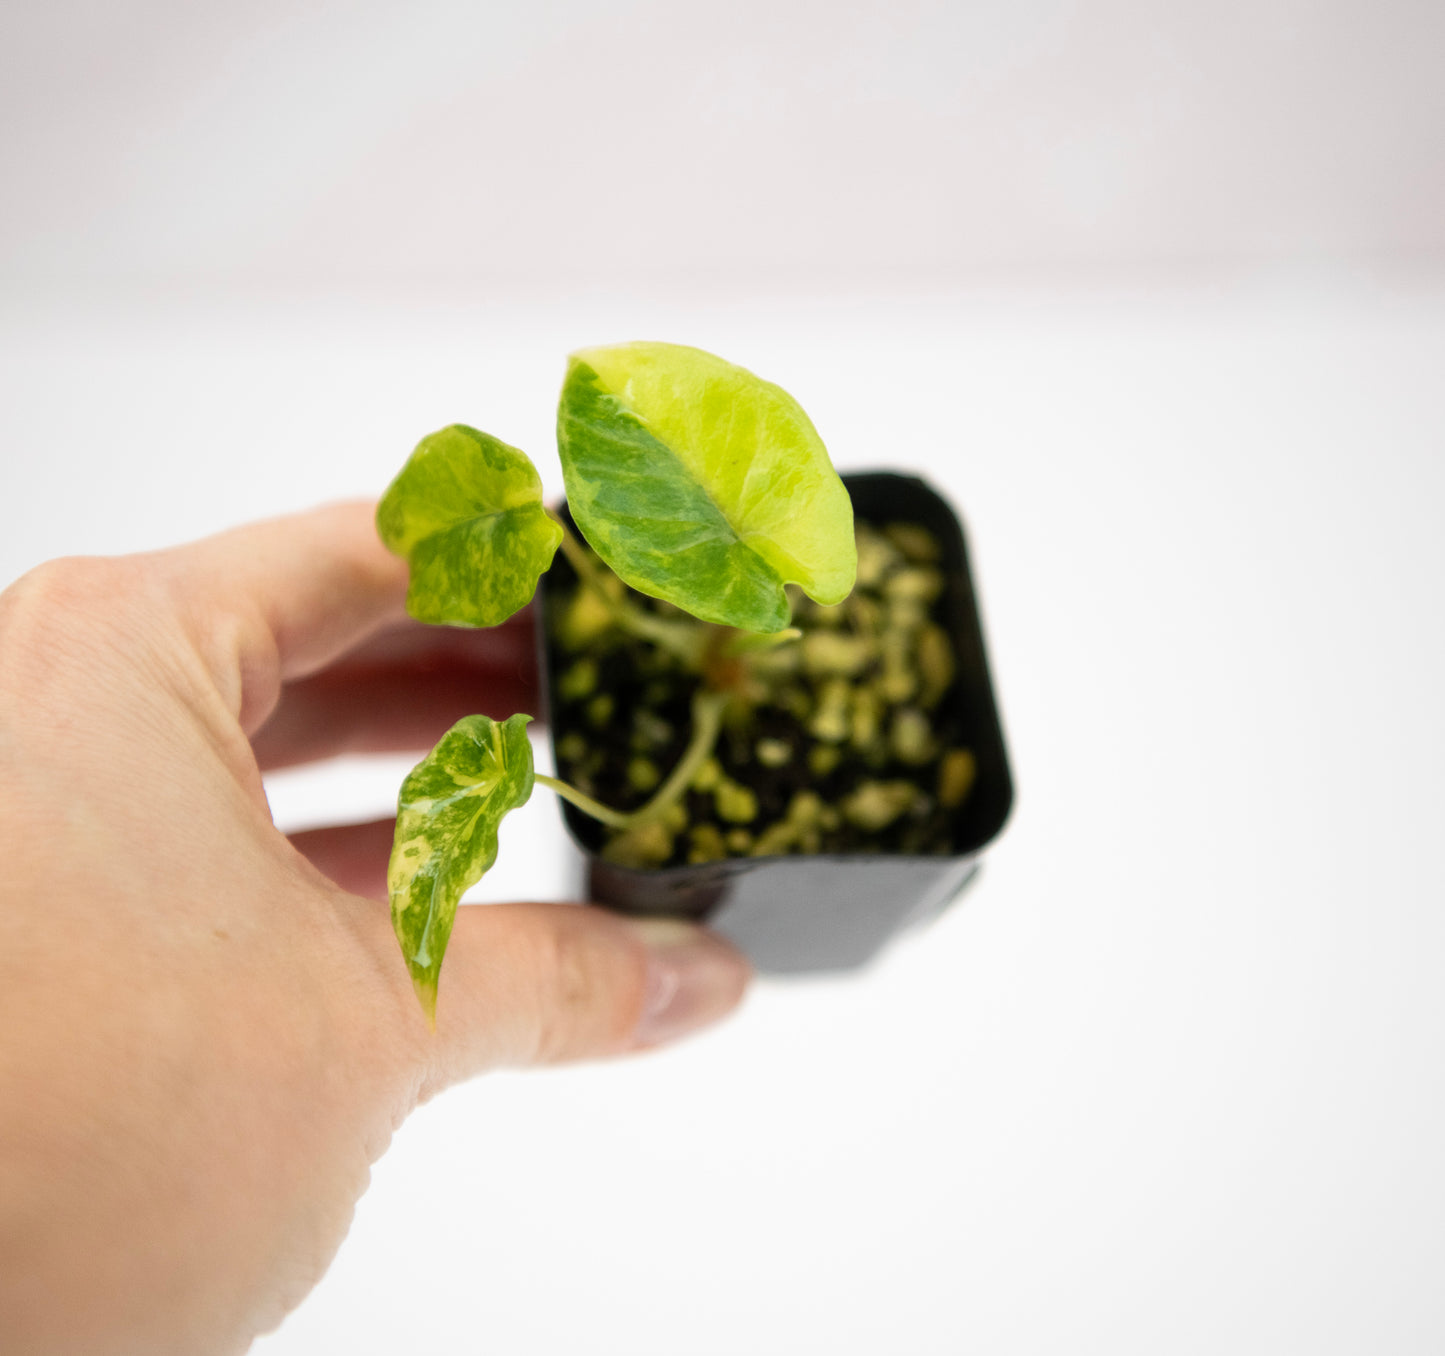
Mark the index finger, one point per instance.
(279, 600)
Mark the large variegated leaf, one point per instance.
(446, 834)
(466, 513)
(702, 484)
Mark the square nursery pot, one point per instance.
(821, 912)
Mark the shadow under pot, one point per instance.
(850, 795)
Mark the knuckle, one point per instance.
(68, 586)
(77, 604)
(149, 610)
(590, 992)
(97, 591)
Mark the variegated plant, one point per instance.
(695, 482)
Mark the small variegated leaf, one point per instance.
(702, 484)
(446, 834)
(466, 513)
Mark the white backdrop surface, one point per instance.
(1171, 1079)
(481, 147)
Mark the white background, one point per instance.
(1157, 299)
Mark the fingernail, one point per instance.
(693, 979)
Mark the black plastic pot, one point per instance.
(798, 913)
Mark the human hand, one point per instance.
(206, 1034)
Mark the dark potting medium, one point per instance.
(830, 911)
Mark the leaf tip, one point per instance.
(426, 994)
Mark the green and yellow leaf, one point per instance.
(466, 513)
(446, 834)
(699, 483)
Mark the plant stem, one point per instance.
(613, 818)
(749, 642)
(707, 710)
(685, 640)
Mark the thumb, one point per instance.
(529, 984)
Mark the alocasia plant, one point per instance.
(695, 482)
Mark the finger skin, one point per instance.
(554, 983)
(384, 712)
(402, 690)
(523, 983)
(529, 984)
(419, 648)
(353, 856)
